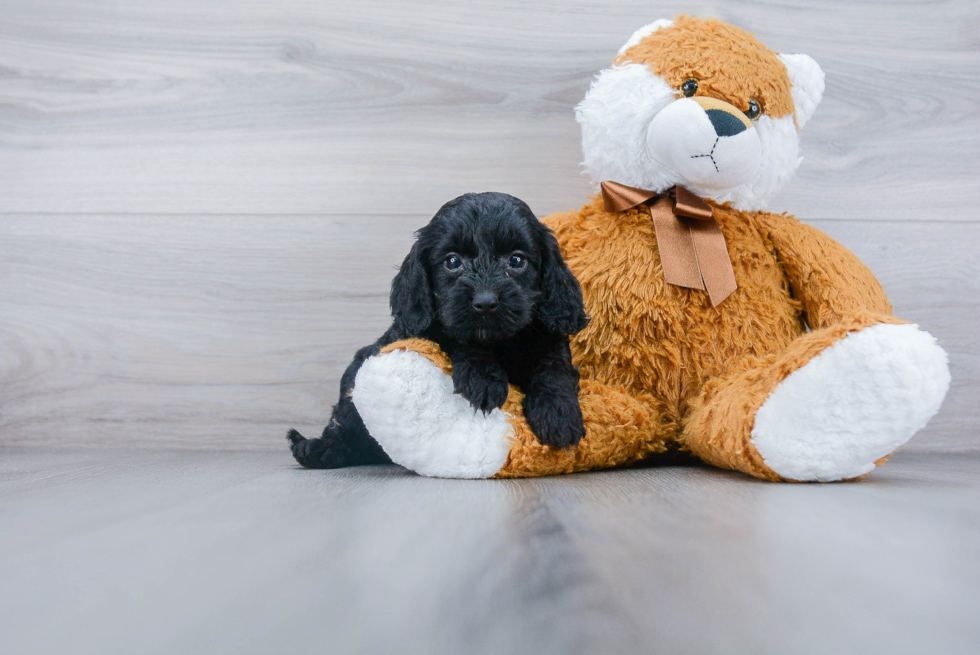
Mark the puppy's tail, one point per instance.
(338, 447)
(327, 452)
(294, 437)
(308, 452)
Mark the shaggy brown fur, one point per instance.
(728, 63)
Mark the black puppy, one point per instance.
(486, 281)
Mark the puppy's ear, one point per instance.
(412, 304)
(561, 309)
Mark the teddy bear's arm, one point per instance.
(829, 279)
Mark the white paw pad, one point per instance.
(853, 404)
(408, 405)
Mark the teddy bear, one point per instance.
(743, 338)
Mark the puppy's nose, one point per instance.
(485, 302)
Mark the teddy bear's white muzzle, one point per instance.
(710, 148)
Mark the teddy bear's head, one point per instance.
(701, 104)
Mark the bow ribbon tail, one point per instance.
(711, 252)
(692, 246)
(675, 241)
(713, 261)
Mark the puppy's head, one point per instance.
(484, 268)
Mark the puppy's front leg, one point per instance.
(479, 377)
(551, 404)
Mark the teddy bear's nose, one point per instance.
(725, 124)
(725, 117)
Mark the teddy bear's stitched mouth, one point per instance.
(710, 155)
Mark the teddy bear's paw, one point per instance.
(408, 405)
(853, 404)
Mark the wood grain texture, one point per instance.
(237, 181)
(182, 552)
(224, 331)
(311, 107)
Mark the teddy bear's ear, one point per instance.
(806, 78)
(644, 32)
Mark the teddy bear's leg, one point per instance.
(619, 429)
(405, 398)
(833, 405)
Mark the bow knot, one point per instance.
(693, 252)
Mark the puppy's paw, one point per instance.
(484, 386)
(555, 419)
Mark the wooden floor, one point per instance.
(159, 551)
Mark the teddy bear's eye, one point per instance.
(689, 87)
(754, 110)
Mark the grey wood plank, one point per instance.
(304, 107)
(176, 551)
(135, 322)
(222, 332)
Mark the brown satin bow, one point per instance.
(693, 252)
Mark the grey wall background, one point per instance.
(202, 203)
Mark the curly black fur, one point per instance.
(486, 281)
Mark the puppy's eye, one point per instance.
(517, 261)
(689, 87)
(453, 262)
(753, 111)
